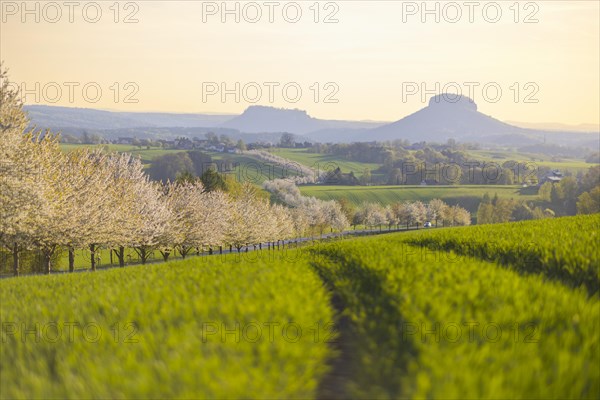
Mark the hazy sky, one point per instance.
(377, 58)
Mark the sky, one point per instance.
(358, 60)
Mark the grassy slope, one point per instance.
(541, 160)
(246, 168)
(146, 155)
(324, 162)
(177, 346)
(564, 249)
(415, 321)
(420, 323)
(496, 156)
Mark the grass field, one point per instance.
(302, 156)
(541, 160)
(324, 162)
(246, 168)
(146, 155)
(467, 196)
(564, 250)
(60, 262)
(200, 328)
(253, 170)
(421, 323)
(453, 313)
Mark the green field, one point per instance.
(324, 162)
(541, 160)
(246, 168)
(421, 323)
(146, 155)
(467, 196)
(496, 311)
(219, 328)
(545, 247)
(253, 170)
(60, 262)
(314, 160)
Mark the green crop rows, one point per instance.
(564, 249)
(429, 324)
(499, 311)
(163, 331)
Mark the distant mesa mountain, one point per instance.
(447, 116)
(257, 119)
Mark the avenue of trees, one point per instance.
(89, 199)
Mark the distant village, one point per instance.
(181, 143)
(220, 145)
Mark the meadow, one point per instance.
(302, 156)
(420, 323)
(541, 160)
(60, 262)
(467, 196)
(221, 327)
(145, 154)
(472, 312)
(324, 162)
(245, 167)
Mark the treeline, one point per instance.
(170, 166)
(437, 164)
(493, 210)
(570, 196)
(573, 196)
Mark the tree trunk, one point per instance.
(143, 255)
(165, 255)
(183, 250)
(71, 259)
(121, 256)
(93, 256)
(16, 259)
(47, 262)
